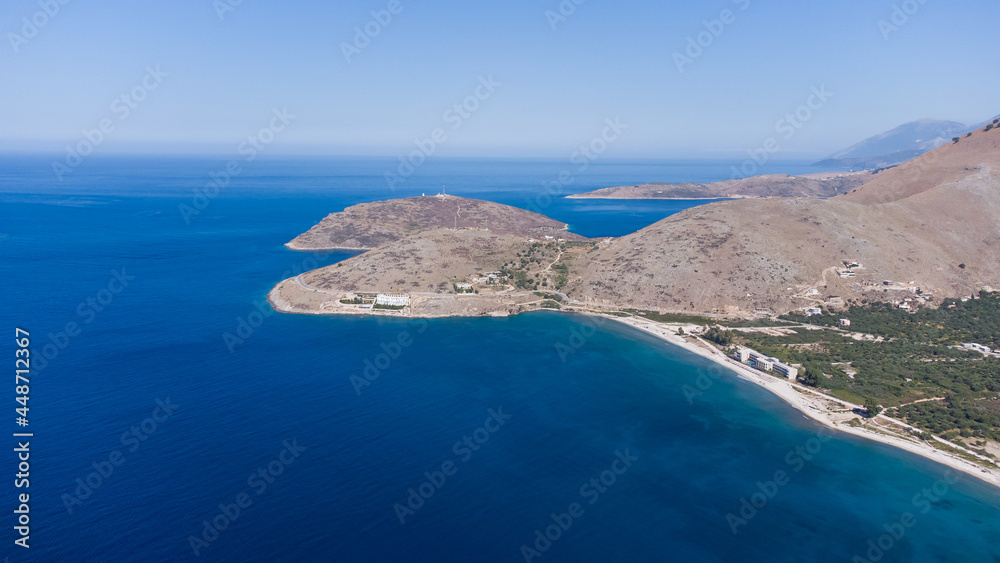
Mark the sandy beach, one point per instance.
(829, 411)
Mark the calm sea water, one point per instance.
(327, 430)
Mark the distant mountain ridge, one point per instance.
(898, 145)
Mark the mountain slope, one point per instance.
(935, 221)
(949, 163)
(932, 224)
(896, 146)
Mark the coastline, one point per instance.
(811, 402)
(645, 191)
(830, 411)
(292, 246)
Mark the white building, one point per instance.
(392, 299)
(845, 322)
(786, 370)
(766, 363)
(813, 311)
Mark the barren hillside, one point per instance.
(423, 263)
(948, 163)
(370, 225)
(927, 229)
(934, 221)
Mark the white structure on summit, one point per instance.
(392, 299)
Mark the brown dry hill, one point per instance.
(423, 263)
(940, 166)
(920, 222)
(774, 185)
(427, 265)
(371, 225)
(934, 221)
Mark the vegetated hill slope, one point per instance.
(897, 145)
(370, 225)
(772, 185)
(918, 222)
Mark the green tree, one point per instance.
(872, 406)
(809, 377)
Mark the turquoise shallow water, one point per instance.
(667, 470)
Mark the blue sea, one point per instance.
(176, 417)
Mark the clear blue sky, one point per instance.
(606, 59)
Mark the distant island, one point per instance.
(821, 185)
(911, 239)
